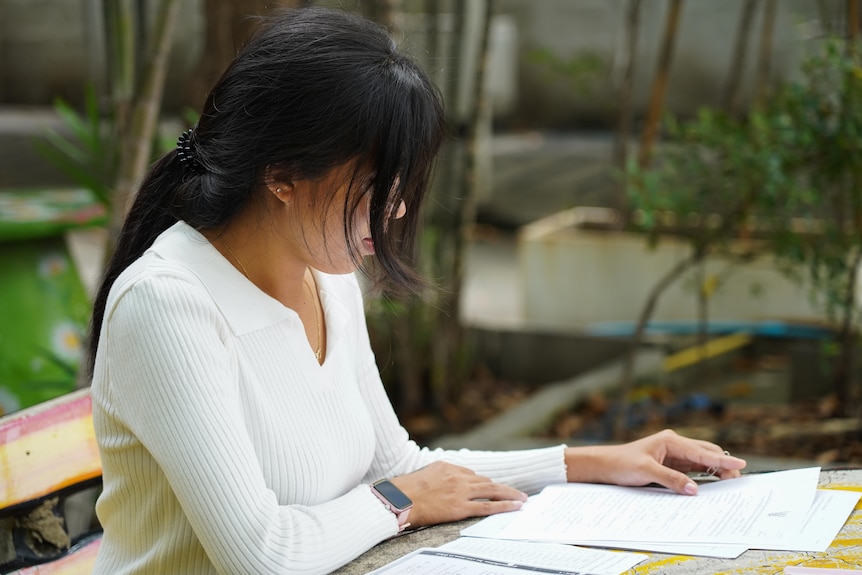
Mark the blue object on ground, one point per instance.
(764, 328)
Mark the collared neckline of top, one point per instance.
(245, 307)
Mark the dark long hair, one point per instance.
(312, 89)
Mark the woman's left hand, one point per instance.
(664, 458)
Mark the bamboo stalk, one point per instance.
(659, 87)
(852, 20)
(737, 63)
(445, 370)
(119, 17)
(764, 60)
(625, 121)
(136, 143)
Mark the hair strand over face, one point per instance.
(312, 89)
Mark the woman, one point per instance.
(239, 413)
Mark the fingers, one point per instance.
(675, 455)
(489, 498)
(443, 492)
(720, 464)
(673, 480)
(664, 458)
(687, 454)
(725, 466)
(485, 508)
(708, 445)
(492, 491)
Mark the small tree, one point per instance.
(707, 186)
(788, 177)
(818, 123)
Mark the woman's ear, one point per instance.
(280, 183)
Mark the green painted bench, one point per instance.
(44, 307)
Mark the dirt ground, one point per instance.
(742, 406)
(809, 430)
(775, 398)
(484, 396)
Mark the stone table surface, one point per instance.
(845, 551)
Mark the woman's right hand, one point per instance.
(444, 492)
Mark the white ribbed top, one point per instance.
(226, 448)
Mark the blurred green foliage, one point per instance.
(788, 176)
(87, 150)
(581, 70)
(88, 154)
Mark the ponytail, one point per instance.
(153, 211)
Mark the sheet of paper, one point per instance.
(751, 510)
(551, 556)
(825, 518)
(696, 549)
(440, 562)
(491, 526)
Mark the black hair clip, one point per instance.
(186, 154)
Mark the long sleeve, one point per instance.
(174, 384)
(527, 470)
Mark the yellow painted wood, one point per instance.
(47, 450)
(657, 565)
(710, 349)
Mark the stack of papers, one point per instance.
(781, 511)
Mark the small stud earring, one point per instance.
(278, 190)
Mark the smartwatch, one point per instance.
(394, 499)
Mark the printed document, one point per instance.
(749, 510)
(782, 511)
(467, 556)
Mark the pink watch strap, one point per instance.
(401, 516)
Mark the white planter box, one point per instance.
(572, 277)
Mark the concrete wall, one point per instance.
(575, 28)
(42, 50)
(53, 47)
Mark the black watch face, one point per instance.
(392, 494)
